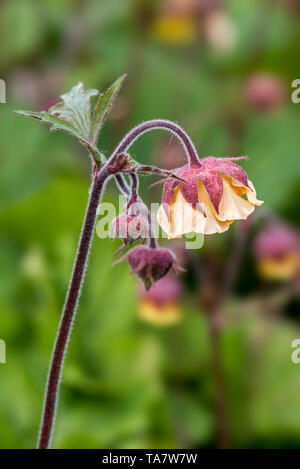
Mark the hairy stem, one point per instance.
(122, 184)
(145, 127)
(69, 311)
(133, 190)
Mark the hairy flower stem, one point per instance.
(148, 126)
(145, 127)
(69, 311)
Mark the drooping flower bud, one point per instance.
(277, 252)
(264, 92)
(208, 200)
(129, 228)
(150, 264)
(161, 304)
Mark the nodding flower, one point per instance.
(150, 264)
(277, 252)
(214, 192)
(129, 228)
(161, 305)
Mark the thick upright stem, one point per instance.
(69, 312)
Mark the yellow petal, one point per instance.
(165, 315)
(185, 219)
(233, 206)
(279, 269)
(174, 30)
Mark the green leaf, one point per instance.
(73, 115)
(58, 123)
(55, 122)
(75, 109)
(103, 107)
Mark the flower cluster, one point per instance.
(204, 196)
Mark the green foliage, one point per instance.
(21, 31)
(103, 108)
(272, 145)
(73, 115)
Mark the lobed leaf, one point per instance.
(73, 115)
(103, 108)
(57, 123)
(75, 109)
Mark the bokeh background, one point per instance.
(223, 70)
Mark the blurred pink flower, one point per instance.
(161, 304)
(276, 249)
(264, 92)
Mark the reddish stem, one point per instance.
(69, 312)
(175, 129)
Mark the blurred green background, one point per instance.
(126, 383)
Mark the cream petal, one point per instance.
(185, 219)
(233, 206)
(250, 193)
